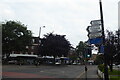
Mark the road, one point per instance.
(67, 71)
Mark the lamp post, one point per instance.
(118, 37)
(40, 31)
(103, 36)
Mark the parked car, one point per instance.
(12, 62)
(57, 63)
(74, 63)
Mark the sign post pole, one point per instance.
(103, 36)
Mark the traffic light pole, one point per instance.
(86, 64)
(103, 36)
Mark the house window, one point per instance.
(26, 47)
(26, 52)
(32, 47)
(33, 40)
(39, 41)
(32, 53)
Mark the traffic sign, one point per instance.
(94, 35)
(95, 22)
(95, 30)
(95, 41)
(101, 49)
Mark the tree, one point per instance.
(99, 59)
(117, 40)
(110, 48)
(15, 37)
(80, 49)
(54, 45)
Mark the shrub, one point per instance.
(101, 67)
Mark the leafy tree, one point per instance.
(99, 59)
(15, 37)
(117, 40)
(80, 49)
(110, 48)
(54, 45)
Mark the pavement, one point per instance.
(116, 67)
(90, 74)
(70, 72)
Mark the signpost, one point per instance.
(95, 41)
(95, 30)
(103, 37)
(96, 36)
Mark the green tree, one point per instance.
(54, 45)
(80, 49)
(110, 49)
(99, 59)
(15, 37)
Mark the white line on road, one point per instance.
(79, 76)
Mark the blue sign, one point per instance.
(101, 49)
(95, 41)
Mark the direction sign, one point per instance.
(101, 49)
(95, 41)
(94, 35)
(93, 29)
(95, 22)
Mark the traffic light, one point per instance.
(89, 52)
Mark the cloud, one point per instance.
(6, 11)
(65, 17)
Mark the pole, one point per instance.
(103, 36)
(86, 64)
(118, 37)
(39, 32)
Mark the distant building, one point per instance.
(34, 47)
(29, 56)
(94, 57)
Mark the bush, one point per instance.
(101, 67)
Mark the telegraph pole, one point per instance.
(103, 36)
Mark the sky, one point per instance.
(64, 17)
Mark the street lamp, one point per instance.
(40, 31)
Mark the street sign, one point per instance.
(95, 22)
(101, 49)
(94, 35)
(95, 41)
(95, 30)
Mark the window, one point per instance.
(32, 53)
(26, 47)
(33, 40)
(32, 47)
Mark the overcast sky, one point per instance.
(64, 17)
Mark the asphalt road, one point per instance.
(42, 71)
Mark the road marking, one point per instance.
(41, 71)
(63, 71)
(79, 76)
(23, 75)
